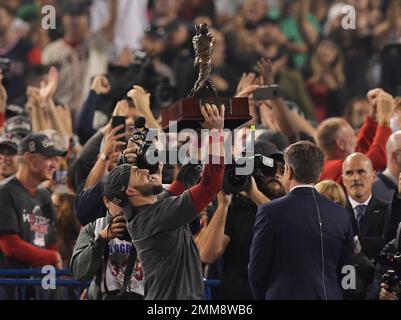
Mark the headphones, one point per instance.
(319, 218)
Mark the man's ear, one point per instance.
(105, 201)
(374, 175)
(27, 157)
(340, 144)
(288, 173)
(131, 192)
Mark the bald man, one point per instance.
(386, 183)
(369, 215)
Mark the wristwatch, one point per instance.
(103, 157)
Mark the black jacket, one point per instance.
(394, 219)
(374, 221)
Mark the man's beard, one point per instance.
(150, 190)
(271, 187)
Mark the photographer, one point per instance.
(103, 250)
(389, 251)
(229, 233)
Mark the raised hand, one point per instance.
(111, 140)
(140, 98)
(385, 108)
(247, 85)
(372, 98)
(121, 109)
(100, 85)
(214, 118)
(48, 88)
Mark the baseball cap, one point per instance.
(268, 149)
(13, 110)
(39, 143)
(10, 140)
(18, 124)
(116, 184)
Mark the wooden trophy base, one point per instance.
(188, 115)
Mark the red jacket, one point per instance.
(372, 141)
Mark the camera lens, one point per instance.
(234, 183)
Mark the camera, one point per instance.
(147, 151)
(391, 279)
(234, 182)
(390, 258)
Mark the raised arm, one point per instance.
(213, 173)
(281, 110)
(377, 149)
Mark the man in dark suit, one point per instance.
(386, 182)
(301, 241)
(369, 216)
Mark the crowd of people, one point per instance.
(74, 195)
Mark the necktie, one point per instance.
(360, 211)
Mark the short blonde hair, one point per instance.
(331, 190)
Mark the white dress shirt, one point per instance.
(302, 186)
(354, 203)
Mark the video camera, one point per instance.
(235, 182)
(390, 258)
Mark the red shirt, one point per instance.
(372, 141)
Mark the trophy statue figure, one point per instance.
(186, 112)
(203, 43)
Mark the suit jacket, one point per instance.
(394, 218)
(384, 188)
(286, 255)
(374, 222)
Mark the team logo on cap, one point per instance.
(47, 143)
(116, 201)
(19, 124)
(32, 146)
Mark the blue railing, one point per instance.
(67, 287)
(27, 285)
